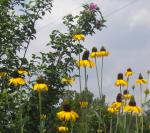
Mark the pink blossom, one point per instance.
(93, 6)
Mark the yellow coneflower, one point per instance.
(120, 81)
(116, 106)
(85, 62)
(103, 52)
(141, 80)
(67, 114)
(68, 80)
(16, 80)
(83, 104)
(132, 108)
(128, 72)
(40, 85)
(22, 71)
(94, 53)
(79, 37)
(63, 129)
(126, 95)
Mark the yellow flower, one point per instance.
(68, 80)
(17, 81)
(129, 72)
(94, 53)
(141, 80)
(2, 74)
(115, 107)
(63, 129)
(132, 109)
(79, 37)
(127, 96)
(67, 115)
(103, 52)
(40, 87)
(85, 63)
(121, 83)
(83, 104)
(22, 71)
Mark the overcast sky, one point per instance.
(127, 37)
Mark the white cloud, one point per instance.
(141, 19)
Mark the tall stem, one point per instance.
(102, 77)
(137, 127)
(40, 111)
(98, 78)
(120, 89)
(125, 121)
(117, 123)
(141, 94)
(20, 112)
(80, 71)
(111, 125)
(85, 78)
(127, 83)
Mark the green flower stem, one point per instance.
(85, 79)
(130, 123)
(86, 90)
(141, 94)
(125, 121)
(137, 125)
(98, 78)
(21, 111)
(72, 125)
(117, 123)
(127, 83)
(102, 77)
(142, 123)
(40, 111)
(110, 124)
(120, 89)
(80, 70)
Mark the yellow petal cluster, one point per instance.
(17, 81)
(22, 71)
(40, 87)
(79, 37)
(67, 115)
(132, 109)
(2, 74)
(68, 80)
(85, 63)
(141, 81)
(128, 73)
(83, 104)
(115, 107)
(103, 53)
(94, 54)
(121, 82)
(127, 96)
(63, 129)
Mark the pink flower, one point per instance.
(93, 6)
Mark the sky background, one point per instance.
(126, 37)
